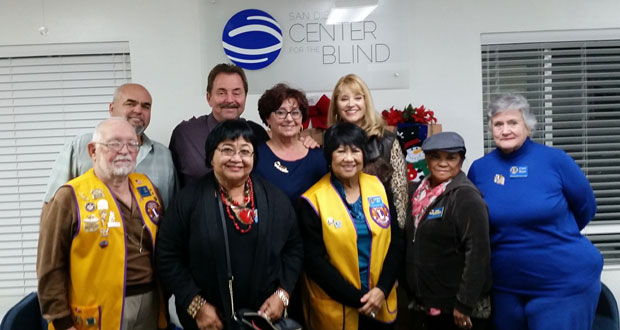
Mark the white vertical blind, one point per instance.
(574, 91)
(48, 94)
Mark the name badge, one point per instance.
(435, 213)
(518, 172)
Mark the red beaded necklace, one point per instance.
(246, 215)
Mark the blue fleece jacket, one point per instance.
(539, 200)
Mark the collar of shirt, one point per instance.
(145, 148)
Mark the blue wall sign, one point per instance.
(252, 39)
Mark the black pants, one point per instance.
(446, 322)
(366, 323)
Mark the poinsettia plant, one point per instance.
(420, 115)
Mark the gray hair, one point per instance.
(119, 90)
(97, 131)
(512, 101)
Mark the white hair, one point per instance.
(512, 101)
(97, 131)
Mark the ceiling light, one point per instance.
(345, 11)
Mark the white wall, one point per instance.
(164, 40)
(168, 50)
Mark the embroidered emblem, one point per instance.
(379, 212)
(152, 209)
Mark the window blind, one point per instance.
(48, 94)
(574, 90)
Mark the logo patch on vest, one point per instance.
(152, 209)
(144, 191)
(379, 212)
(435, 213)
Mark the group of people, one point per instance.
(266, 221)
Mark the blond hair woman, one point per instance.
(351, 102)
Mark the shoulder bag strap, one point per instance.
(229, 274)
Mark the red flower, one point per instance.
(419, 115)
(393, 116)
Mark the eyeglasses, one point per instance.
(118, 146)
(229, 152)
(295, 113)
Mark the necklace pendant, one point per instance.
(246, 216)
(280, 167)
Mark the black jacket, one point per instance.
(190, 252)
(448, 256)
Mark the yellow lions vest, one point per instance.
(98, 252)
(340, 239)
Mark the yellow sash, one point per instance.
(340, 239)
(98, 251)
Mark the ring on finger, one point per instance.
(372, 314)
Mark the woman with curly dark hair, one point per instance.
(284, 160)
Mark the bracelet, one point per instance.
(195, 306)
(282, 295)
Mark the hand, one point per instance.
(272, 308)
(372, 301)
(461, 320)
(72, 328)
(207, 318)
(309, 142)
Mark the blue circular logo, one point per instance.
(252, 39)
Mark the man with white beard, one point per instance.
(132, 102)
(97, 239)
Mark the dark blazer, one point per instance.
(191, 257)
(448, 257)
